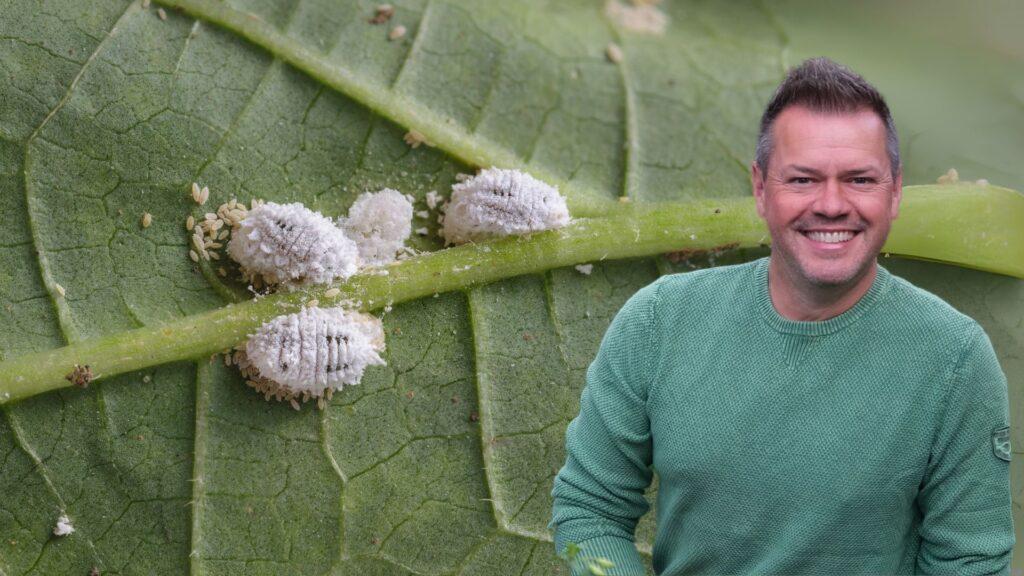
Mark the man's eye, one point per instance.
(800, 180)
(862, 180)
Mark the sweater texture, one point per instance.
(873, 442)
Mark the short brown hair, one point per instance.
(826, 86)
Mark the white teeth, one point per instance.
(830, 237)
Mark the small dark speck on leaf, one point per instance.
(382, 14)
(80, 376)
(718, 210)
(94, 572)
(397, 331)
(455, 399)
(410, 394)
(473, 416)
(527, 337)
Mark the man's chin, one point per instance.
(835, 275)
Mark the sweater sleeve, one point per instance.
(965, 499)
(599, 492)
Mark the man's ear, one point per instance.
(757, 183)
(897, 195)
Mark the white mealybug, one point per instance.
(64, 526)
(498, 202)
(379, 223)
(291, 243)
(315, 351)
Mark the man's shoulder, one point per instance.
(717, 281)
(924, 308)
(922, 321)
(678, 292)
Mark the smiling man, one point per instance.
(807, 412)
(828, 198)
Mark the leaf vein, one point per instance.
(421, 30)
(64, 319)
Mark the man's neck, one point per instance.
(808, 303)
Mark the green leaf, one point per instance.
(442, 461)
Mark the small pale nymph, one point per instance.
(498, 202)
(950, 177)
(379, 223)
(292, 244)
(316, 349)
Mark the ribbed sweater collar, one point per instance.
(816, 328)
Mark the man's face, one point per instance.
(827, 172)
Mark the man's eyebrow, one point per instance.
(804, 169)
(846, 173)
(859, 171)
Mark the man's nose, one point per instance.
(831, 201)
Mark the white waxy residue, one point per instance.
(379, 223)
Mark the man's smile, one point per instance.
(829, 239)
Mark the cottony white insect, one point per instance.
(291, 243)
(63, 527)
(379, 223)
(498, 202)
(317, 348)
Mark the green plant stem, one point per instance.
(967, 225)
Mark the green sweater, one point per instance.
(874, 442)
